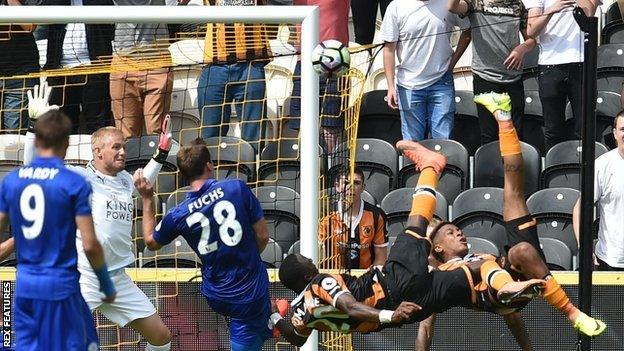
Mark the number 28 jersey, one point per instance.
(217, 222)
(42, 201)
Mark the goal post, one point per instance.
(306, 16)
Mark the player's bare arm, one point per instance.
(425, 333)
(95, 254)
(515, 323)
(146, 190)
(539, 17)
(363, 313)
(8, 246)
(459, 7)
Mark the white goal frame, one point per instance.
(308, 16)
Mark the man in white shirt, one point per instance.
(560, 62)
(609, 200)
(419, 33)
(112, 209)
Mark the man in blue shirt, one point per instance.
(223, 222)
(45, 204)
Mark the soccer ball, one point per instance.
(331, 58)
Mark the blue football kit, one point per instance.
(217, 222)
(42, 201)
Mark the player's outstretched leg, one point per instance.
(430, 164)
(526, 256)
(507, 290)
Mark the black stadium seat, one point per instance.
(533, 122)
(466, 129)
(558, 254)
(562, 164)
(454, 178)
(488, 167)
(478, 212)
(177, 254)
(397, 205)
(377, 159)
(281, 211)
(377, 119)
(272, 255)
(552, 209)
(233, 158)
(478, 245)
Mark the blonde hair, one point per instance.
(97, 139)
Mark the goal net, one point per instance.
(238, 77)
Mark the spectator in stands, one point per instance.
(140, 97)
(497, 55)
(235, 55)
(83, 97)
(333, 24)
(18, 55)
(364, 14)
(609, 200)
(355, 234)
(423, 89)
(560, 62)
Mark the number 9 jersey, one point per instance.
(217, 222)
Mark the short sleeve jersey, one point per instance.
(355, 242)
(316, 305)
(42, 201)
(217, 222)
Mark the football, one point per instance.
(331, 58)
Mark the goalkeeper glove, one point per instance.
(38, 103)
(165, 140)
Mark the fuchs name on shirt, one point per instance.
(38, 172)
(206, 200)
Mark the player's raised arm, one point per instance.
(95, 254)
(37, 105)
(154, 166)
(262, 233)
(144, 187)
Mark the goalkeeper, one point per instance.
(112, 207)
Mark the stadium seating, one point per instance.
(533, 121)
(139, 152)
(332, 196)
(79, 151)
(280, 164)
(562, 164)
(552, 209)
(610, 67)
(478, 245)
(466, 119)
(184, 127)
(177, 254)
(6, 166)
(397, 205)
(295, 248)
(176, 198)
(613, 30)
(272, 255)
(11, 147)
(281, 211)
(233, 158)
(454, 178)
(377, 119)
(558, 254)
(377, 159)
(488, 167)
(607, 107)
(478, 213)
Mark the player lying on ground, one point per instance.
(46, 203)
(344, 303)
(223, 222)
(524, 258)
(112, 204)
